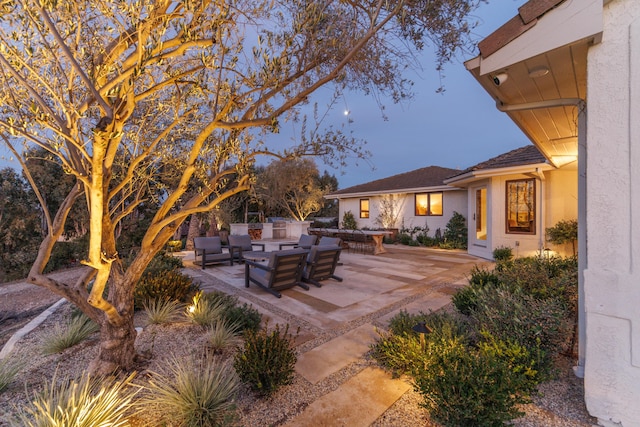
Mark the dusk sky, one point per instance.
(456, 129)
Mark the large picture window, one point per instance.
(521, 206)
(364, 208)
(429, 204)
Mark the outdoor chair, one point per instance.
(305, 242)
(330, 241)
(321, 264)
(283, 271)
(239, 244)
(208, 250)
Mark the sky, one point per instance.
(456, 129)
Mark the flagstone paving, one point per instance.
(338, 321)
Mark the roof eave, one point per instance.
(476, 175)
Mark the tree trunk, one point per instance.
(194, 231)
(117, 349)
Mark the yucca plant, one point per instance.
(193, 392)
(204, 311)
(222, 335)
(160, 311)
(86, 402)
(61, 337)
(9, 368)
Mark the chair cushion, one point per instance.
(212, 245)
(306, 241)
(325, 241)
(243, 241)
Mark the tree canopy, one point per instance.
(170, 101)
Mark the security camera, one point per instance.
(499, 79)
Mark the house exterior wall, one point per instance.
(453, 200)
(612, 275)
(556, 199)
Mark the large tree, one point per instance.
(170, 100)
(291, 188)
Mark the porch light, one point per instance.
(540, 71)
(422, 329)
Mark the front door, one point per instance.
(479, 222)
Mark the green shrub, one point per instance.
(174, 245)
(164, 285)
(467, 387)
(86, 402)
(465, 299)
(9, 368)
(398, 353)
(349, 221)
(400, 350)
(513, 316)
(502, 254)
(67, 254)
(245, 316)
(61, 337)
(162, 262)
(160, 311)
(267, 360)
(193, 392)
(564, 232)
(455, 233)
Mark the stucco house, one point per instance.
(567, 72)
(513, 198)
(418, 198)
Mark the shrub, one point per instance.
(174, 245)
(245, 316)
(401, 350)
(193, 392)
(502, 254)
(267, 360)
(222, 335)
(86, 402)
(349, 221)
(9, 368)
(465, 299)
(513, 316)
(162, 262)
(455, 233)
(204, 310)
(564, 232)
(169, 285)
(463, 386)
(75, 331)
(398, 353)
(160, 311)
(67, 254)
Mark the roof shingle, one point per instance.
(431, 176)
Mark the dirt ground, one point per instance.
(20, 302)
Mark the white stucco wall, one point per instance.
(453, 200)
(556, 199)
(612, 276)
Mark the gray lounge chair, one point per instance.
(321, 264)
(305, 242)
(330, 241)
(239, 244)
(209, 251)
(283, 271)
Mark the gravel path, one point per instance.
(559, 403)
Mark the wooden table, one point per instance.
(376, 235)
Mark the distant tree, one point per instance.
(328, 184)
(20, 231)
(168, 102)
(291, 188)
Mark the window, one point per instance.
(521, 206)
(429, 204)
(364, 208)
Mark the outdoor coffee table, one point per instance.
(256, 256)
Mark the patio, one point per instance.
(337, 321)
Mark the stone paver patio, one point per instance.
(338, 321)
